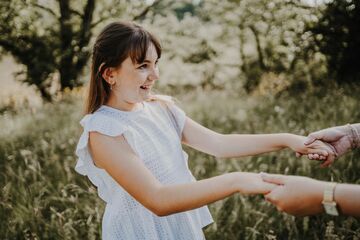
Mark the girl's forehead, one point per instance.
(150, 56)
(151, 53)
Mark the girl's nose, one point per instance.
(154, 75)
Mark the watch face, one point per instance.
(330, 208)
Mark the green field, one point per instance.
(42, 197)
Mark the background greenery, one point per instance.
(244, 66)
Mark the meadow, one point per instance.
(42, 197)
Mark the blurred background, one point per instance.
(236, 66)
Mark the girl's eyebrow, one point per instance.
(148, 61)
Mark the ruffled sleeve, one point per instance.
(85, 165)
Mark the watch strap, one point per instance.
(329, 192)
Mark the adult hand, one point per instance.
(294, 194)
(338, 137)
(321, 150)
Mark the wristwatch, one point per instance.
(328, 201)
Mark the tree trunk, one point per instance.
(66, 33)
(259, 50)
(45, 95)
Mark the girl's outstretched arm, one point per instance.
(116, 156)
(237, 145)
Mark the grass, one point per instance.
(42, 197)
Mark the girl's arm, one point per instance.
(237, 145)
(115, 156)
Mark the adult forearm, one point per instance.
(238, 145)
(347, 197)
(182, 197)
(354, 134)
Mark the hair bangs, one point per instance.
(139, 44)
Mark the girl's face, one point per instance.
(133, 81)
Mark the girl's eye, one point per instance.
(142, 66)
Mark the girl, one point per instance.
(131, 146)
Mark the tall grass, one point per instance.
(43, 198)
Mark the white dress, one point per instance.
(153, 132)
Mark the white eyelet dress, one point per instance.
(153, 132)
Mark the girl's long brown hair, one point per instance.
(115, 43)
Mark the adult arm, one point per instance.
(116, 156)
(303, 196)
(342, 138)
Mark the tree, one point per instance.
(337, 36)
(55, 38)
(267, 33)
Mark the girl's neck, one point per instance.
(123, 105)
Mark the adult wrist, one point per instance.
(329, 201)
(356, 129)
(353, 132)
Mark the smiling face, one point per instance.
(133, 81)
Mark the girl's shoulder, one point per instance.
(165, 102)
(103, 123)
(161, 100)
(174, 113)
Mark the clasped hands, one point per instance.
(299, 195)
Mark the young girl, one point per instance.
(131, 146)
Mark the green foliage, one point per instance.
(51, 39)
(43, 197)
(231, 45)
(46, 39)
(268, 36)
(337, 35)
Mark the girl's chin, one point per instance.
(145, 95)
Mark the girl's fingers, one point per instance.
(273, 178)
(317, 157)
(268, 187)
(318, 152)
(298, 154)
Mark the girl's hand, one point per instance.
(317, 150)
(252, 183)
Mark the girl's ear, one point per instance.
(108, 75)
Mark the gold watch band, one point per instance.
(329, 192)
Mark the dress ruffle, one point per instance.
(85, 165)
